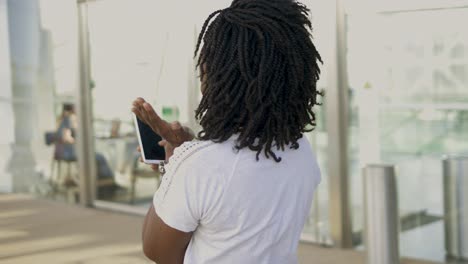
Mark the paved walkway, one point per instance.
(46, 232)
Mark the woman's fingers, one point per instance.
(138, 110)
(174, 132)
(153, 117)
(143, 114)
(154, 120)
(155, 167)
(146, 113)
(138, 102)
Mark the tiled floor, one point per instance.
(45, 232)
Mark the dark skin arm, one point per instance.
(162, 243)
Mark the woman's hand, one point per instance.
(174, 133)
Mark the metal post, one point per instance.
(381, 215)
(337, 128)
(85, 139)
(456, 206)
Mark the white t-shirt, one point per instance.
(241, 210)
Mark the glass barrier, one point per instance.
(38, 76)
(408, 107)
(151, 57)
(317, 225)
(139, 49)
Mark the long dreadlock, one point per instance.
(259, 70)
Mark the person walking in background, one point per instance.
(241, 192)
(65, 134)
(64, 141)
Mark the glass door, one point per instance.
(139, 48)
(317, 227)
(128, 47)
(408, 79)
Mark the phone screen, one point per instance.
(149, 141)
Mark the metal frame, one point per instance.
(337, 127)
(85, 142)
(401, 6)
(408, 6)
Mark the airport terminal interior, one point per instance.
(395, 76)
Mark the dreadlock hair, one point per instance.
(259, 70)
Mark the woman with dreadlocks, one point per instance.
(240, 192)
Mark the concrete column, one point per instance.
(46, 116)
(24, 31)
(6, 112)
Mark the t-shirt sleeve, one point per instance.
(186, 194)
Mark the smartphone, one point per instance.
(151, 152)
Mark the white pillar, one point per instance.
(23, 18)
(45, 108)
(6, 113)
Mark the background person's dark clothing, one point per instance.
(63, 150)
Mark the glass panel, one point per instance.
(37, 76)
(317, 225)
(409, 102)
(140, 49)
(151, 57)
(126, 62)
